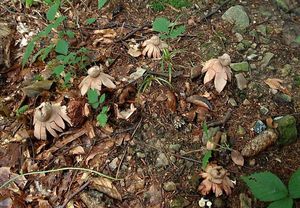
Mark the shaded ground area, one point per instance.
(157, 152)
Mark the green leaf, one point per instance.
(297, 40)
(205, 159)
(161, 24)
(104, 109)
(294, 185)
(102, 98)
(52, 12)
(28, 3)
(22, 110)
(62, 47)
(90, 21)
(285, 202)
(28, 52)
(67, 79)
(70, 34)
(266, 186)
(92, 95)
(177, 31)
(58, 70)
(101, 3)
(102, 119)
(47, 51)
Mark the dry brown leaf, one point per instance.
(125, 93)
(106, 36)
(98, 154)
(200, 101)
(171, 102)
(104, 185)
(276, 84)
(125, 114)
(237, 157)
(215, 180)
(271, 124)
(153, 46)
(49, 117)
(95, 79)
(219, 70)
(77, 151)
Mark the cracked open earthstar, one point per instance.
(95, 79)
(153, 46)
(215, 180)
(49, 117)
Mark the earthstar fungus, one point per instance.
(153, 46)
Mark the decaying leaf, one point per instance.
(76, 112)
(106, 36)
(125, 114)
(49, 117)
(214, 141)
(37, 87)
(215, 180)
(98, 154)
(171, 102)
(271, 124)
(219, 70)
(134, 50)
(153, 46)
(259, 143)
(104, 185)
(136, 75)
(237, 157)
(125, 93)
(95, 79)
(276, 84)
(77, 151)
(200, 101)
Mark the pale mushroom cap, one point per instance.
(225, 59)
(94, 71)
(43, 112)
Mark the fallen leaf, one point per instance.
(271, 124)
(105, 186)
(125, 114)
(276, 84)
(171, 102)
(77, 151)
(125, 94)
(237, 157)
(37, 87)
(200, 101)
(106, 36)
(98, 154)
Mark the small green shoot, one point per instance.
(297, 39)
(101, 3)
(90, 21)
(167, 29)
(267, 187)
(149, 79)
(22, 110)
(206, 158)
(102, 116)
(160, 5)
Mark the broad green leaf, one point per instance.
(47, 51)
(163, 36)
(70, 34)
(90, 21)
(102, 98)
(177, 31)
(101, 3)
(102, 119)
(28, 3)
(22, 110)
(93, 98)
(294, 185)
(58, 21)
(58, 70)
(62, 47)
(104, 109)
(67, 79)
(205, 159)
(52, 12)
(266, 186)
(297, 40)
(28, 52)
(282, 203)
(161, 24)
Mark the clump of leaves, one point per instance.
(267, 187)
(167, 29)
(95, 100)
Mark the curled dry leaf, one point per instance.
(76, 112)
(219, 70)
(49, 117)
(216, 180)
(95, 79)
(125, 114)
(125, 93)
(134, 50)
(171, 101)
(259, 143)
(200, 101)
(237, 157)
(153, 46)
(104, 185)
(276, 84)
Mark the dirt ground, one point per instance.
(148, 151)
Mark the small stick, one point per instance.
(214, 11)
(128, 35)
(74, 194)
(223, 121)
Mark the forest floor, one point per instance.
(156, 152)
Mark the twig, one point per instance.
(128, 35)
(56, 170)
(174, 74)
(74, 194)
(214, 11)
(223, 121)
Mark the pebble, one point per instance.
(246, 102)
(266, 59)
(241, 81)
(263, 110)
(232, 102)
(252, 162)
(174, 147)
(162, 160)
(169, 186)
(259, 127)
(241, 131)
(239, 37)
(113, 164)
(140, 155)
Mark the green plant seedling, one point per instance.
(102, 116)
(22, 110)
(267, 187)
(149, 79)
(101, 3)
(167, 29)
(160, 5)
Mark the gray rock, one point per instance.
(239, 37)
(240, 67)
(236, 15)
(232, 102)
(263, 110)
(169, 186)
(246, 102)
(259, 127)
(287, 129)
(140, 155)
(240, 47)
(113, 164)
(241, 81)
(262, 29)
(286, 70)
(175, 147)
(162, 160)
(266, 59)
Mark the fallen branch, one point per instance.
(223, 121)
